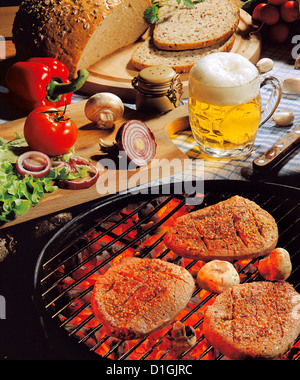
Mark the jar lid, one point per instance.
(157, 74)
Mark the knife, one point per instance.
(278, 151)
(270, 159)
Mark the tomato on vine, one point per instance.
(50, 131)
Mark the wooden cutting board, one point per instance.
(114, 73)
(113, 180)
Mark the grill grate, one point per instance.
(63, 296)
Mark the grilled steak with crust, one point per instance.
(137, 296)
(258, 320)
(234, 229)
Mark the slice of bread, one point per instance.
(78, 33)
(210, 22)
(147, 55)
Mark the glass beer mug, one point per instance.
(225, 108)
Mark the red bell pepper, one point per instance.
(42, 82)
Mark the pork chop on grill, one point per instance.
(258, 320)
(137, 297)
(234, 229)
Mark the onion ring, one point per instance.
(60, 164)
(86, 182)
(25, 166)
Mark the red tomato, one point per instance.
(278, 33)
(269, 14)
(50, 131)
(289, 11)
(256, 11)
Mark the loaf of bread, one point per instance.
(77, 32)
(147, 55)
(208, 23)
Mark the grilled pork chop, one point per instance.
(258, 320)
(137, 296)
(234, 229)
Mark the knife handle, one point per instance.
(278, 151)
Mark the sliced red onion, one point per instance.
(85, 182)
(60, 164)
(78, 160)
(137, 141)
(26, 166)
(34, 165)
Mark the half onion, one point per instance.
(137, 141)
(34, 163)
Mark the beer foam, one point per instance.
(224, 78)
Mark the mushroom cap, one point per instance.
(216, 276)
(276, 266)
(104, 108)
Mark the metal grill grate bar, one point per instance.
(130, 244)
(289, 238)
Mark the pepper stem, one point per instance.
(55, 89)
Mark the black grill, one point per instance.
(119, 225)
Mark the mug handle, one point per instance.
(274, 98)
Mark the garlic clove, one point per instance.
(283, 118)
(104, 144)
(297, 63)
(291, 86)
(104, 109)
(264, 65)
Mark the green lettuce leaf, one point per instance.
(17, 193)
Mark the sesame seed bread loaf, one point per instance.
(77, 32)
(147, 55)
(208, 23)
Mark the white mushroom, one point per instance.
(182, 337)
(216, 276)
(276, 266)
(104, 109)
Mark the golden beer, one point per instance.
(225, 104)
(230, 127)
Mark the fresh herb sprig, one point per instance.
(151, 13)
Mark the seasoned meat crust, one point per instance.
(258, 320)
(234, 229)
(137, 296)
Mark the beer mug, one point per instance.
(225, 107)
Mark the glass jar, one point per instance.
(159, 89)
